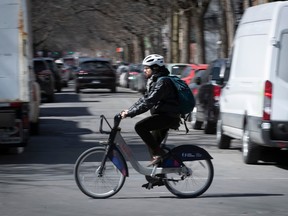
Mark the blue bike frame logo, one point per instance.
(190, 155)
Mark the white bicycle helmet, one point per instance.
(153, 59)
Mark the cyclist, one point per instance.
(161, 99)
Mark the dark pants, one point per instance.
(153, 130)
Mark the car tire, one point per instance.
(65, 84)
(50, 98)
(59, 88)
(197, 125)
(210, 127)
(223, 141)
(113, 89)
(34, 128)
(250, 150)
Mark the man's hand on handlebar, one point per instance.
(124, 114)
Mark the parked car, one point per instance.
(70, 64)
(141, 82)
(134, 74)
(56, 73)
(123, 82)
(127, 77)
(176, 69)
(189, 71)
(45, 78)
(70, 61)
(65, 71)
(194, 84)
(207, 96)
(95, 73)
(122, 69)
(59, 63)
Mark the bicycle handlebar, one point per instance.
(117, 120)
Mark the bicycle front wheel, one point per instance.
(92, 180)
(193, 185)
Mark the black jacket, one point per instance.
(160, 98)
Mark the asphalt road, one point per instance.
(40, 181)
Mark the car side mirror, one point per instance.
(198, 81)
(220, 81)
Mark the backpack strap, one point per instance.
(185, 118)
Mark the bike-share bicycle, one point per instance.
(100, 172)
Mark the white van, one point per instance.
(254, 99)
(19, 92)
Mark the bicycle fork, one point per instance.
(100, 169)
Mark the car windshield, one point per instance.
(199, 73)
(215, 73)
(95, 65)
(186, 71)
(51, 65)
(69, 61)
(177, 69)
(39, 66)
(135, 68)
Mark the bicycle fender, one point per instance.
(118, 160)
(190, 153)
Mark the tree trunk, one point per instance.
(175, 38)
(231, 23)
(223, 51)
(198, 12)
(142, 47)
(185, 50)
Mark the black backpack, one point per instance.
(185, 97)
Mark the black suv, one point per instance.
(95, 73)
(207, 92)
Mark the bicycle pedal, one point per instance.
(148, 185)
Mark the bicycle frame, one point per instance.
(116, 140)
(129, 156)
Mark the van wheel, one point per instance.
(250, 150)
(223, 141)
(209, 127)
(197, 125)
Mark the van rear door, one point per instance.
(280, 84)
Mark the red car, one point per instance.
(190, 71)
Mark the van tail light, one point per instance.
(216, 92)
(267, 100)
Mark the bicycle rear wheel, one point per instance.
(89, 179)
(193, 185)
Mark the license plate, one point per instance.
(96, 81)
